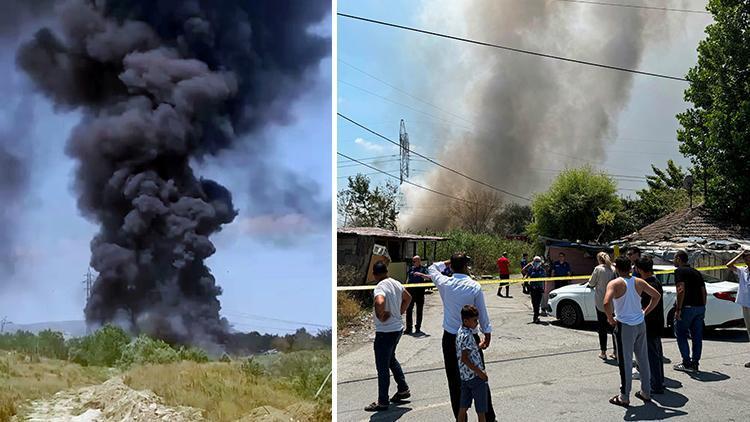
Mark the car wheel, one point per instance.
(569, 314)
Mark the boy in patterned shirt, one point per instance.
(473, 378)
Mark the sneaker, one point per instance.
(683, 368)
(543, 313)
(636, 374)
(407, 331)
(401, 396)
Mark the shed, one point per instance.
(355, 247)
(580, 256)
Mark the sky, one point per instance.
(399, 63)
(278, 274)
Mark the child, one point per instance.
(473, 378)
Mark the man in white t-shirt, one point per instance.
(743, 290)
(391, 301)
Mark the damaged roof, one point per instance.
(687, 225)
(378, 232)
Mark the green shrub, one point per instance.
(484, 250)
(252, 368)
(304, 372)
(103, 348)
(145, 349)
(193, 354)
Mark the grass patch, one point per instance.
(23, 379)
(347, 309)
(227, 391)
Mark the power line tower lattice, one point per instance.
(403, 139)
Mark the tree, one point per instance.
(715, 131)
(512, 219)
(476, 212)
(359, 205)
(665, 194)
(572, 206)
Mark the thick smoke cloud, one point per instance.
(524, 112)
(163, 83)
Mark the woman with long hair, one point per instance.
(602, 275)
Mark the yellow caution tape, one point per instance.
(521, 280)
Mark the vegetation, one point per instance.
(361, 205)
(570, 209)
(483, 248)
(22, 379)
(715, 130)
(665, 193)
(512, 219)
(225, 390)
(477, 212)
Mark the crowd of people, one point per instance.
(629, 306)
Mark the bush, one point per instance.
(347, 309)
(47, 343)
(192, 354)
(304, 372)
(103, 348)
(145, 350)
(252, 368)
(484, 250)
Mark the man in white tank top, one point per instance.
(622, 304)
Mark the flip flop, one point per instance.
(640, 396)
(603, 356)
(617, 402)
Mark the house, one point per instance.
(361, 247)
(707, 240)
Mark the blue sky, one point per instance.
(646, 127)
(276, 274)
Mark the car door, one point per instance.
(670, 294)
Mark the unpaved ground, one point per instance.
(109, 401)
(113, 401)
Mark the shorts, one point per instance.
(504, 277)
(477, 389)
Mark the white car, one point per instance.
(574, 304)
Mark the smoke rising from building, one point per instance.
(526, 112)
(162, 84)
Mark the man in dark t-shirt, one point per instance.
(689, 312)
(654, 325)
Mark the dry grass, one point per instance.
(222, 390)
(23, 379)
(347, 309)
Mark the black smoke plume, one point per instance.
(161, 84)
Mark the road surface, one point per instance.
(546, 372)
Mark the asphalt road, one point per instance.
(547, 373)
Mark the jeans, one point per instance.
(450, 359)
(655, 362)
(417, 299)
(385, 360)
(536, 299)
(603, 328)
(691, 321)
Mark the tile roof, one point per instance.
(688, 224)
(378, 232)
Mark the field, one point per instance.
(108, 377)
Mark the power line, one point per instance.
(265, 318)
(514, 49)
(433, 161)
(403, 92)
(407, 181)
(633, 6)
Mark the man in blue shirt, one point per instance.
(561, 268)
(417, 274)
